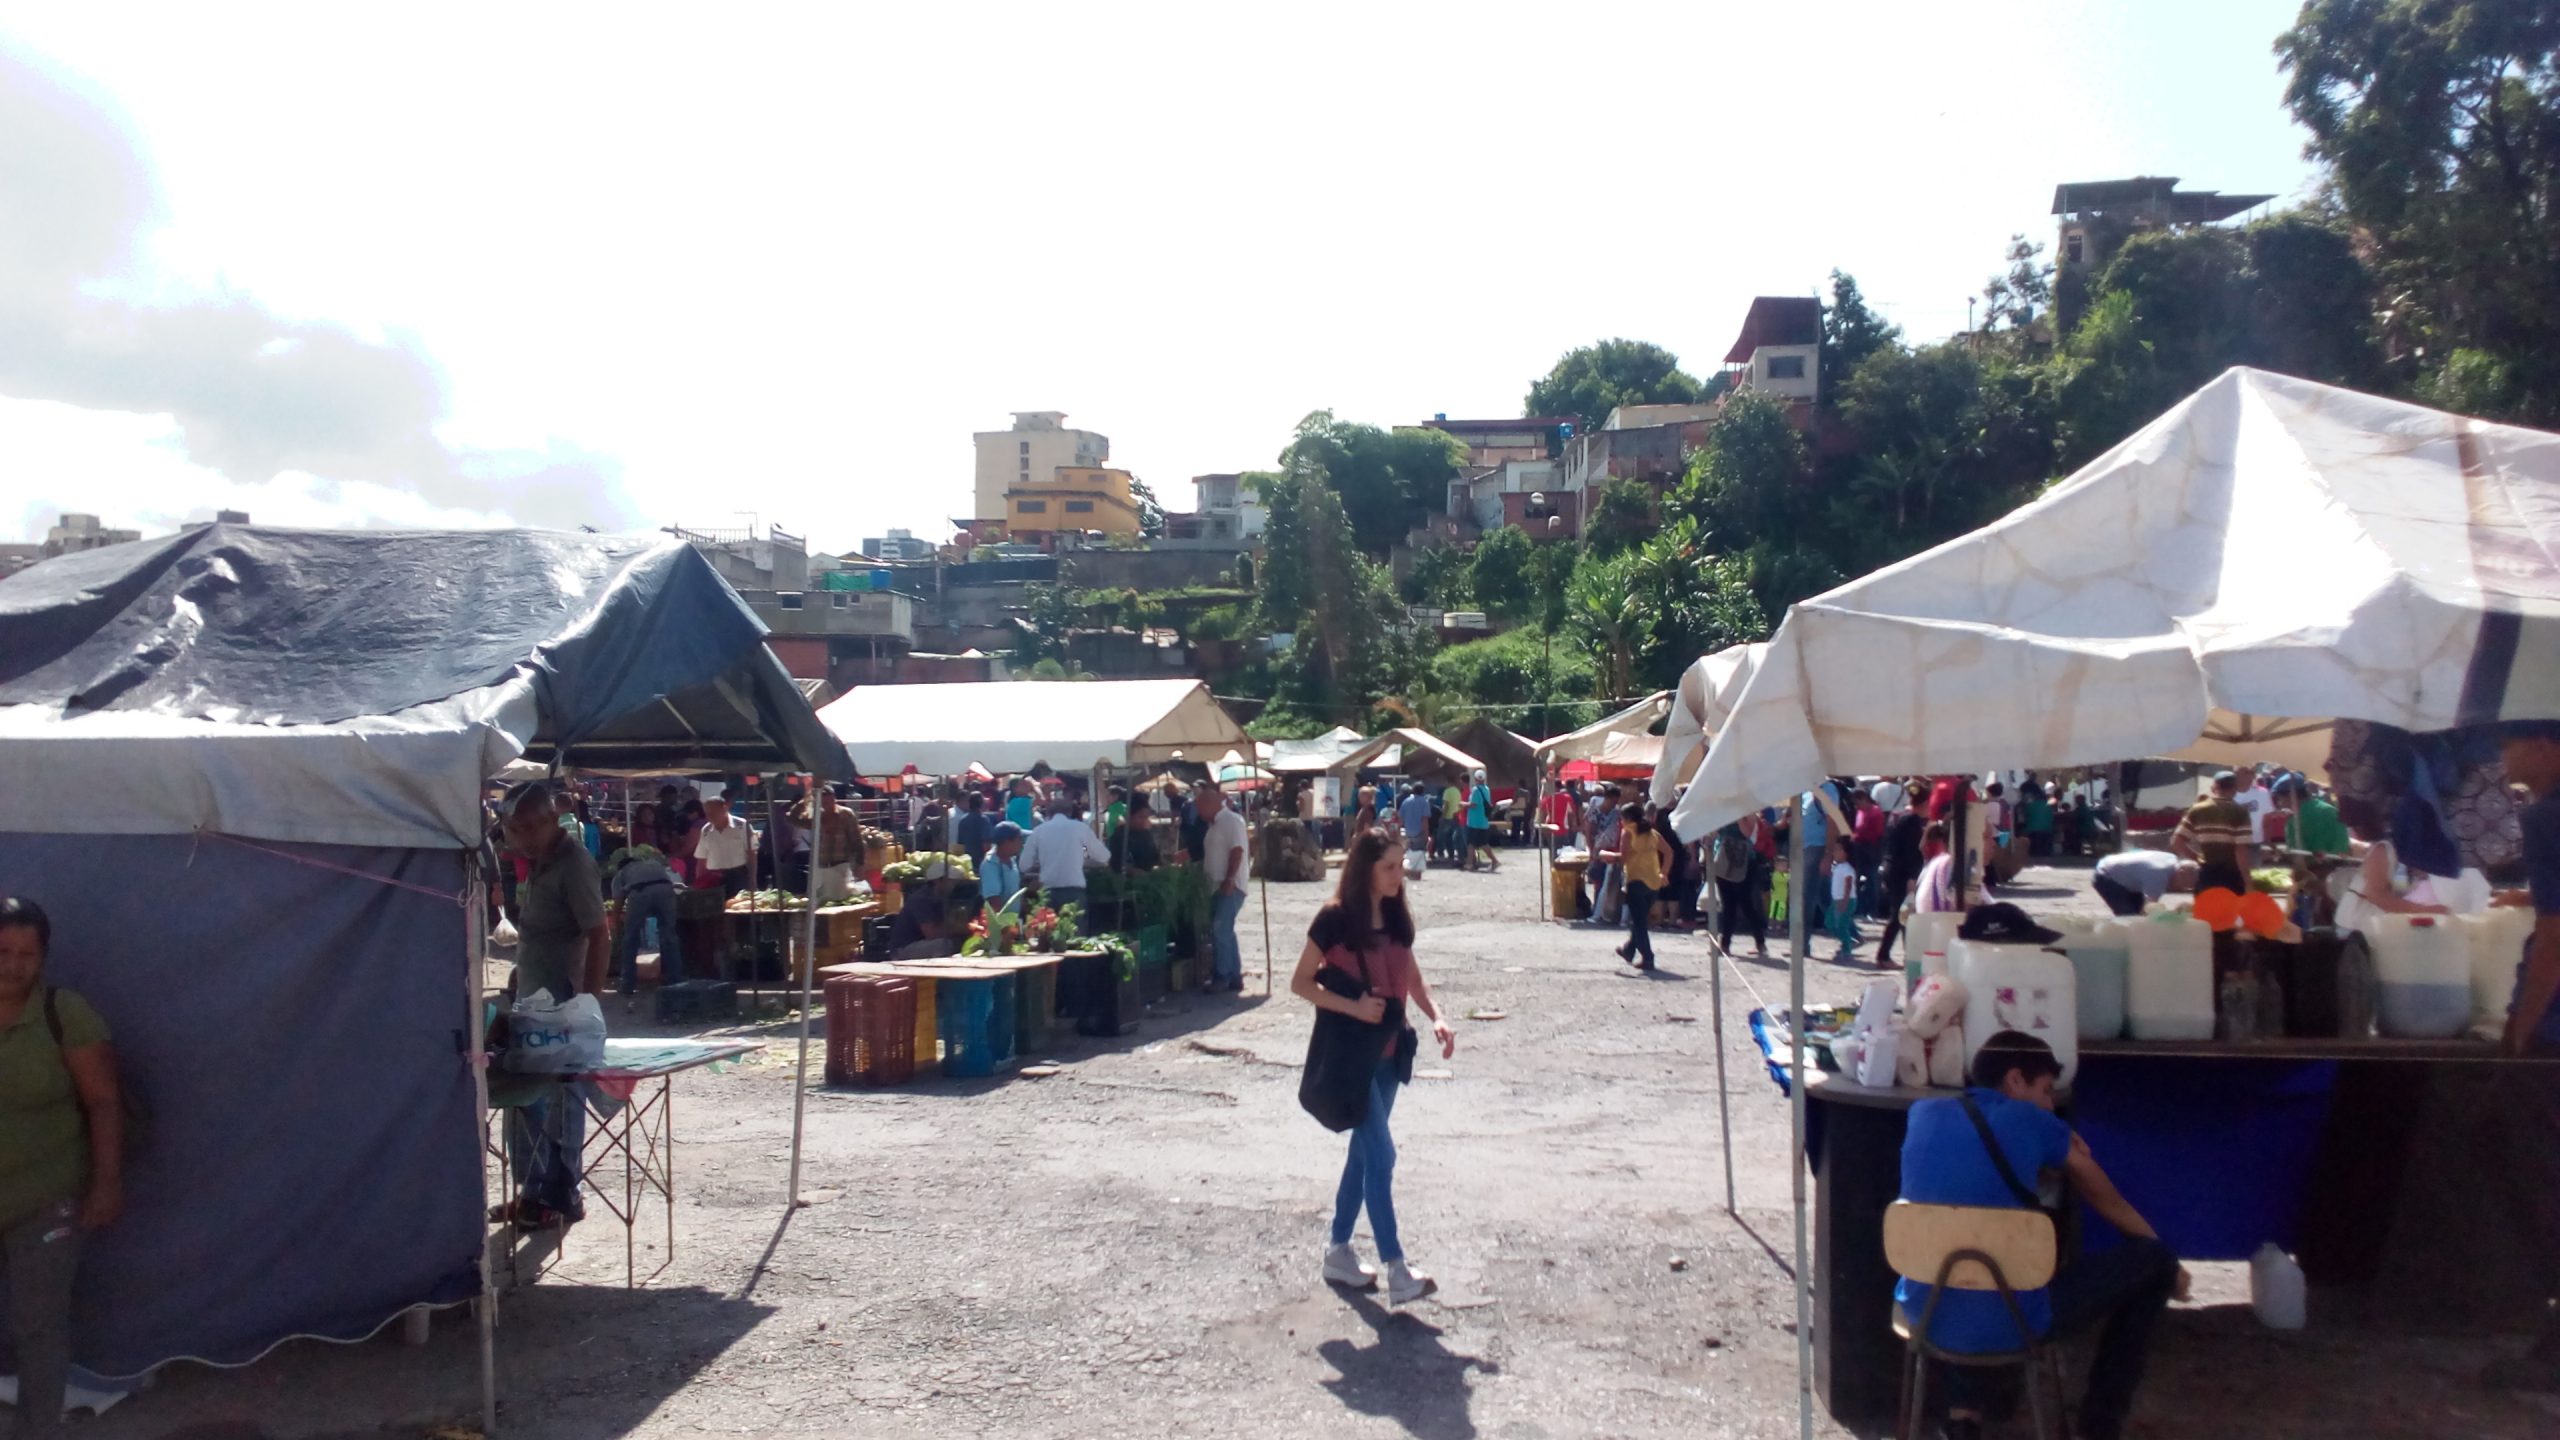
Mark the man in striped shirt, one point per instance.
(2216, 833)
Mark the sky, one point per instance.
(628, 267)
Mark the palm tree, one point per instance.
(1609, 609)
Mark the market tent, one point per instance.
(1699, 709)
(244, 766)
(1314, 756)
(1587, 742)
(1010, 726)
(1406, 746)
(2270, 547)
(1628, 757)
(1510, 761)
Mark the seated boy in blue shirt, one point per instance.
(1946, 1161)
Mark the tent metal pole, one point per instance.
(1264, 865)
(1724, 1097)
(1798, 908)
(476, 956)
(808, 981)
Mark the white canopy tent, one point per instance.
(1699, 709)
(1313, 756)
(2268, 549)
(1399, 746)
(1588, 742)
(1010, 726)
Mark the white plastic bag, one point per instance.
(1946, 1058)
(1414, 860)
(545, 1037)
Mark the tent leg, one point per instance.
(1724, 1097)
(476, 954)
(808, 983)
(1266, 925)
(1798, 907)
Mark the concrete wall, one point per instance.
(1146, 569)
(1805, 387)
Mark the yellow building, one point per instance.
(1072, 497)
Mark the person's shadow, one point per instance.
(1406, 1374)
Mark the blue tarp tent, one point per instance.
(243, 769)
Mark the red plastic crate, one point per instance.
(871, 1030)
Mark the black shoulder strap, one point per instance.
(1999, 1159)
(53, 1016)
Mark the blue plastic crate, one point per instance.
(1003, 1032)
(964, 1015)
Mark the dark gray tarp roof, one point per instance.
(639, 654)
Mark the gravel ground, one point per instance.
(1128, 1247)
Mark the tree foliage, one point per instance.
(1590, 381)
(1850, 332)
(1621, 518)
(1501, 574)
(1389, 481)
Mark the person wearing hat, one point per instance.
(2216, 833)
(1000, 874)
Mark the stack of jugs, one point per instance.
(1925, 943)
(2097, 947)
(2168, 981)
(2496, 942)
(2018, 987)
(2424, 970)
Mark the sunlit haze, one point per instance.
(629, 268)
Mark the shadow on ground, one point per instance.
(1405, 1374)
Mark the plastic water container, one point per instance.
(2018, 987)
(2097, 949)
(2276, 1289)
(2168, 978)
(1925, 941)
(2495, 939)
(2423, 966)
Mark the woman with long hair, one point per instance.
(1366, 932)
(1647, 860)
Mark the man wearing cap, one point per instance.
(2216, 834)
(2531, 751)
(562, 948)
(1000, 873)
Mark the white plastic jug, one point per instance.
(2098, 948)
(2276, 1289)
(2422, 970)
(2018, 987)
(2168, 978)
(1925, 941)
(2495, 939)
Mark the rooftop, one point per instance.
(1494, 427)
(1777, 320)
(2184, 206)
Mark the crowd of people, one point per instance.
(1457, 821)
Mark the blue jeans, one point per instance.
(1226, 964)
(1369, 1172)
(646, 904)
(1843, 920)
(546, 1142)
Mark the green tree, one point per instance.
(1439, 576)
(1621, 518)
(1850, 333)
(2018, 294)
(1608, 614)
(1501, 573)
(1700, 602)
(1589, 382)
(1388, 481)
(2440, 122)
(1748, 481)
(1150, 512)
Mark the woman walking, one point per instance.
(1648, 862)
(1742, 883)
(1366, 932)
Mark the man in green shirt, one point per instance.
(1115, 814)
(562, 947)
(61, 1156)
(2315, 828)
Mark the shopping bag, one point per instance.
(1342, 1058)
(548, 1037)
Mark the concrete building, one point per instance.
(1780, 348)
(1226, 513)
(1072, 498)
(1036, 448)
(1496, 442)
(73, 534)
(899, 545)
(14, 558)
(842, 636)
(2097, 216)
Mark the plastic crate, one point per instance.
(1004, 1036)
(965, 1016)
(1153, 980)
(871, 1030)
(1151, 943)
(698, 1000)
(1035, 1005)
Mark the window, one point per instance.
(790, 599)
(2071, 249)
(840, 599)
(1079, 507)
(1026, 452)
(1031, 507)
(1786, 367)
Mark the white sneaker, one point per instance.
(1406, 1284)
(1343, 1266)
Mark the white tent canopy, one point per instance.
(1588, 742)
(1010, 726)
(1315, 756)
(2270, 547)
(1399, 741)
(1699, 709)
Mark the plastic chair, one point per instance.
(1980, 1248)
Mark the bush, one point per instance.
(1504, 670)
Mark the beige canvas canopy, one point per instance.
(1588, 742)
(1010, 726)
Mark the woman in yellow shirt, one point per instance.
(1647, 859)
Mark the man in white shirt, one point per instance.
(2261, 803)
(727, 847)
(1222, 858)
(1059, 852)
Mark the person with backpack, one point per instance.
(61, 1156)
(1364, 938)
(1741, 875)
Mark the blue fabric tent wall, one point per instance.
(296, 1035)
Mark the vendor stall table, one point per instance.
(639, 1128)
(2314, 1107)
(1031, 980)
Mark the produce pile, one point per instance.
(927, 865)
(748, 900)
